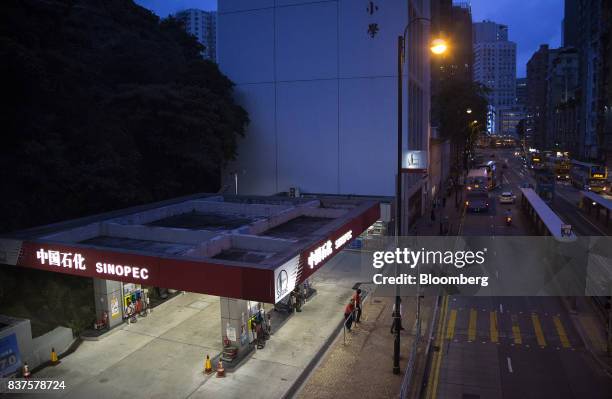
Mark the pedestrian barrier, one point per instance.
(25, 371)
(207, 365)
(220, 369)
(54, 358)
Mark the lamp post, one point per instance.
(438, 46)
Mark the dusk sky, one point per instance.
(530, 22)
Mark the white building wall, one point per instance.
(320, 92)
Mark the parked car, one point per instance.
(507, 197)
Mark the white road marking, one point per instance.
(509, 365)
(501, 308)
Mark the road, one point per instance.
(513, 347)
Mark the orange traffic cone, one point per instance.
(54, 358)
(220, 369)
(207, 365)
(25, 371)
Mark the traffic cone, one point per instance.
(25, 371)
(208, 365)
(220, 369)
(54, 358)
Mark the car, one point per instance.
(507, 197)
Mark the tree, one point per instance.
(456, 106)
(104, 107)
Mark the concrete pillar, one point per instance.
(109, 298)
(234, 321)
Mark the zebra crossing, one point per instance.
(529, 330)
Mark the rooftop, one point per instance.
(257, 231)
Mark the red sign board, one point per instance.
(194, 275)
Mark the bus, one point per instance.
(545, 184)
(491, 168)
(589, 176)
(559, 166)
(477, 179)
(477, 200)
(536, 161)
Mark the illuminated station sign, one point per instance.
(223, 263)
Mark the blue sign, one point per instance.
(10, 360)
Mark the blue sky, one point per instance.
(530, 22)
(165, 7)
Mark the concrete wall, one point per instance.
(59, 339)
(35, 351)
(320, 92)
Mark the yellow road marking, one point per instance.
(472, 325)
(516, 331)
(538, 330)
(432, 385)
(561, 331)
(452, 320)
(493, 323)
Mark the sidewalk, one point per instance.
(163, 354)
(592, 331)
(424, 226)
(363, 366)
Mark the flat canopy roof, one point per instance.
(256, 248)
(606, 203)
(550, 219)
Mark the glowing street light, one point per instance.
(468, 111)
(438, 46)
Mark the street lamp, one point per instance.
(438, 46)
(468, 111)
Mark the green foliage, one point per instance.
(106, 106)
(449, 108)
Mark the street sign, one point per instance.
(10, 359)
(414, 160)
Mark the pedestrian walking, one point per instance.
(348, 314)
(444, 202)
(299, 299)
(433, 215)
(357, 300)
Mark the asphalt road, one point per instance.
(513, 347)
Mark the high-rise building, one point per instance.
(453, 22)
(537, 88)
(591, 44)
(495, 63)
(318, 80)
(562, 86)
(202, 25)
(521, 91)
(489, 31)
(569, 26)
(607, 79)
(509, 118)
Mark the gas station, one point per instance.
(250, 251)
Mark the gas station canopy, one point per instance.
(255, 248)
